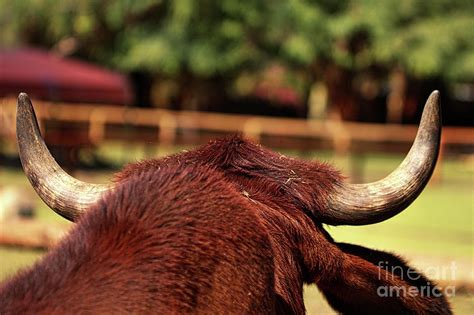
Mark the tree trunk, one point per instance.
(342, 98)
(397, 96)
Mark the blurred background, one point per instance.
(344, 81)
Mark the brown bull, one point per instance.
(228, 228)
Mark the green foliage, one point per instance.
(427, 38)
(208, 38)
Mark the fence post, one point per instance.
(167, 125)
(97, 125)
(252, 129)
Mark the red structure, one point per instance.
(46, 76)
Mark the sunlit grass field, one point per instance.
(436, 230)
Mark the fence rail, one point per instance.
(167, 123)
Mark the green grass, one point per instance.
(12, 259)
(438, 225)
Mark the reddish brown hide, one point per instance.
(228, 228)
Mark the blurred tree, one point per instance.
(205, 45)
(408, 40)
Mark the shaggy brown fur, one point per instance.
(227, 228)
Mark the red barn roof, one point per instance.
(47, 76)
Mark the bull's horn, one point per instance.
(64, 194)
(358, 204)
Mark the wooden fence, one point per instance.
(166, 125)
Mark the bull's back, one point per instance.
(180, 240)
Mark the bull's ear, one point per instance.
(377, 282)
(64, 194)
